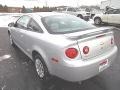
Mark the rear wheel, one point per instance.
(41, 68)
(80, 16)
(97, 21)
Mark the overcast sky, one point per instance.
(40, 3)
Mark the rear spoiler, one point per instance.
(97, 31)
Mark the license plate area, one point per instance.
(103, 65)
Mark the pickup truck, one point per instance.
(111, 16)
(70, 10)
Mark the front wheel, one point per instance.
(11, 40)
(97, 21)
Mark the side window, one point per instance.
(117, 12)
(23, 22)
(33, 26)
(110, 12)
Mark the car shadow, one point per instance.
(30, 79)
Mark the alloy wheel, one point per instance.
(39, 68)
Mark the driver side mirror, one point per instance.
(12, 24)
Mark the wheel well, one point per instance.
(80, 15)
(34, 53)
(37, 53)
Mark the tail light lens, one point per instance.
(86, 50)
(71, 52)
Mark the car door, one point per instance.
(111, 16)
(33, 31)
(116, 17)
(105, 17)
(20, 31)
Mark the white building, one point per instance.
(110, 3)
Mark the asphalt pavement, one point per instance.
(17, 72)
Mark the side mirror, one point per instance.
(11, 24)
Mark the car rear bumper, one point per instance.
(76, 71)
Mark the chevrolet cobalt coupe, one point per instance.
(63, 45)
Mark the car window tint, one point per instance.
(110, 12)
(23, 22)
(117, 11)
(34, 26)
(61, 24)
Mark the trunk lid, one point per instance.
(98, 40)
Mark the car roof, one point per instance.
(45, 14)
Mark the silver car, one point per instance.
(63, 45)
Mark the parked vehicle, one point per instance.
(63, 45)
(79, 13)
(111, 16)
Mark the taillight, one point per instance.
(86, 50)
(71, 52)
(112, 40)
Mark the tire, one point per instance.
(11, 41)
(41, 68)
(97, 21)
(80, 16)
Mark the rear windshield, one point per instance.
(62, 24)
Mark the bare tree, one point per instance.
(23, 9)
(5, 8)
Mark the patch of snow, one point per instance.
(4, 21)
(4, 57)
(2, 88)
